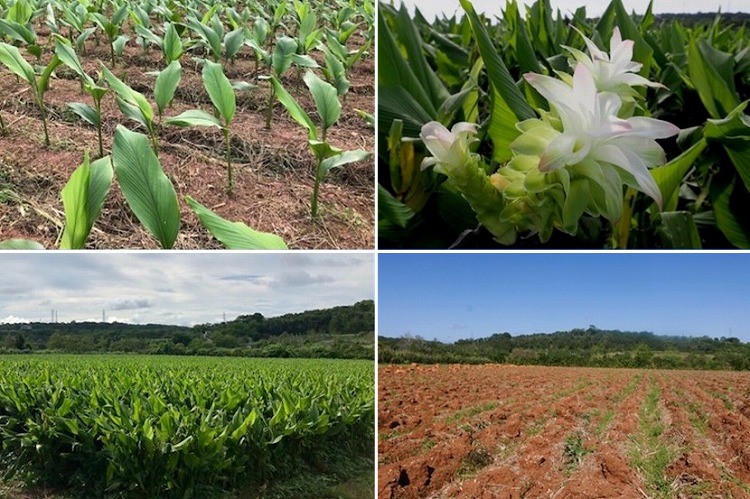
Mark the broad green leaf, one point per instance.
(86, 112)
(678, 230)
(17, 32)
(669, 176)
(729, 200)
(129, 96)
(148, 191)
(391, 210)
(234, 235)
(394, 71)
(172, 45)
(233, 43)
(733, 133)
(336, 72)
(342, 159)
(68, 57)
(499, 76)
(14, 61)
(325, 97)
(712, 74)
(166, 84)
(83, 197)
(194, 117)
(119, 44)
(295, 110)
(281, 60)
(20, 244)
(220, 90)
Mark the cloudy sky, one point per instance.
(432, 8)
(177, 288)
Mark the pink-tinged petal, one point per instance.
(651, 128)
(631, 163)
(622, 54)
(616, 40)
(436, 130)
(559, 95)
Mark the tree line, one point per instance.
(592, 347)
(337, 332)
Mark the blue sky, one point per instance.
(460, 295)
(432, 8)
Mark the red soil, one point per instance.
(508, 432)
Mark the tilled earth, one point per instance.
(274, 169)
(498, 431)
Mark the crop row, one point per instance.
(279, 36)
(175, 427)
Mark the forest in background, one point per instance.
(337, 332)
(591, 347)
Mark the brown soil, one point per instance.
(274, 170)
(509, 432)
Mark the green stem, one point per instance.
(43, 111)
(112, 52)
(316, 188)
(228, 140)
(98, 104)
(269, 108)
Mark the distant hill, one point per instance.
(578, 347)
(342, 332)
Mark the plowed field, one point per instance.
(510, 431)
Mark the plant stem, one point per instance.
(98, 104)
(43, 111)
(314, 200)
(3, 130)
(228, 140)
(269, 109)
(112, 52)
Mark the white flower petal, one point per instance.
(464, 127)
(631, 163)
(651, 128)
(564, 150)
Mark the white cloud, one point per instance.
(14, 320)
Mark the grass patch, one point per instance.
(470, 411)
(473, 462)
(604, 422)
(574, 451)
(651, 453)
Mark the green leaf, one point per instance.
(669, 176)
(166, 85)
(234, 235)
(68, 57)
(83, 197)
(220, 90)
(130, 97)
(678, 230)
(20, 244)
(729, 200)
(86, 112)
(148, 191)
(498, 74)
(325, 97)
(14, 61)
(172, 45)
(233, 42)
(194, 117)
(281, 60)
(712, 74)
(391, 210)
(295, 110)
(342, 159)
(733, 133)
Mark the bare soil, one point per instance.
(274, 169)
(518, 431)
